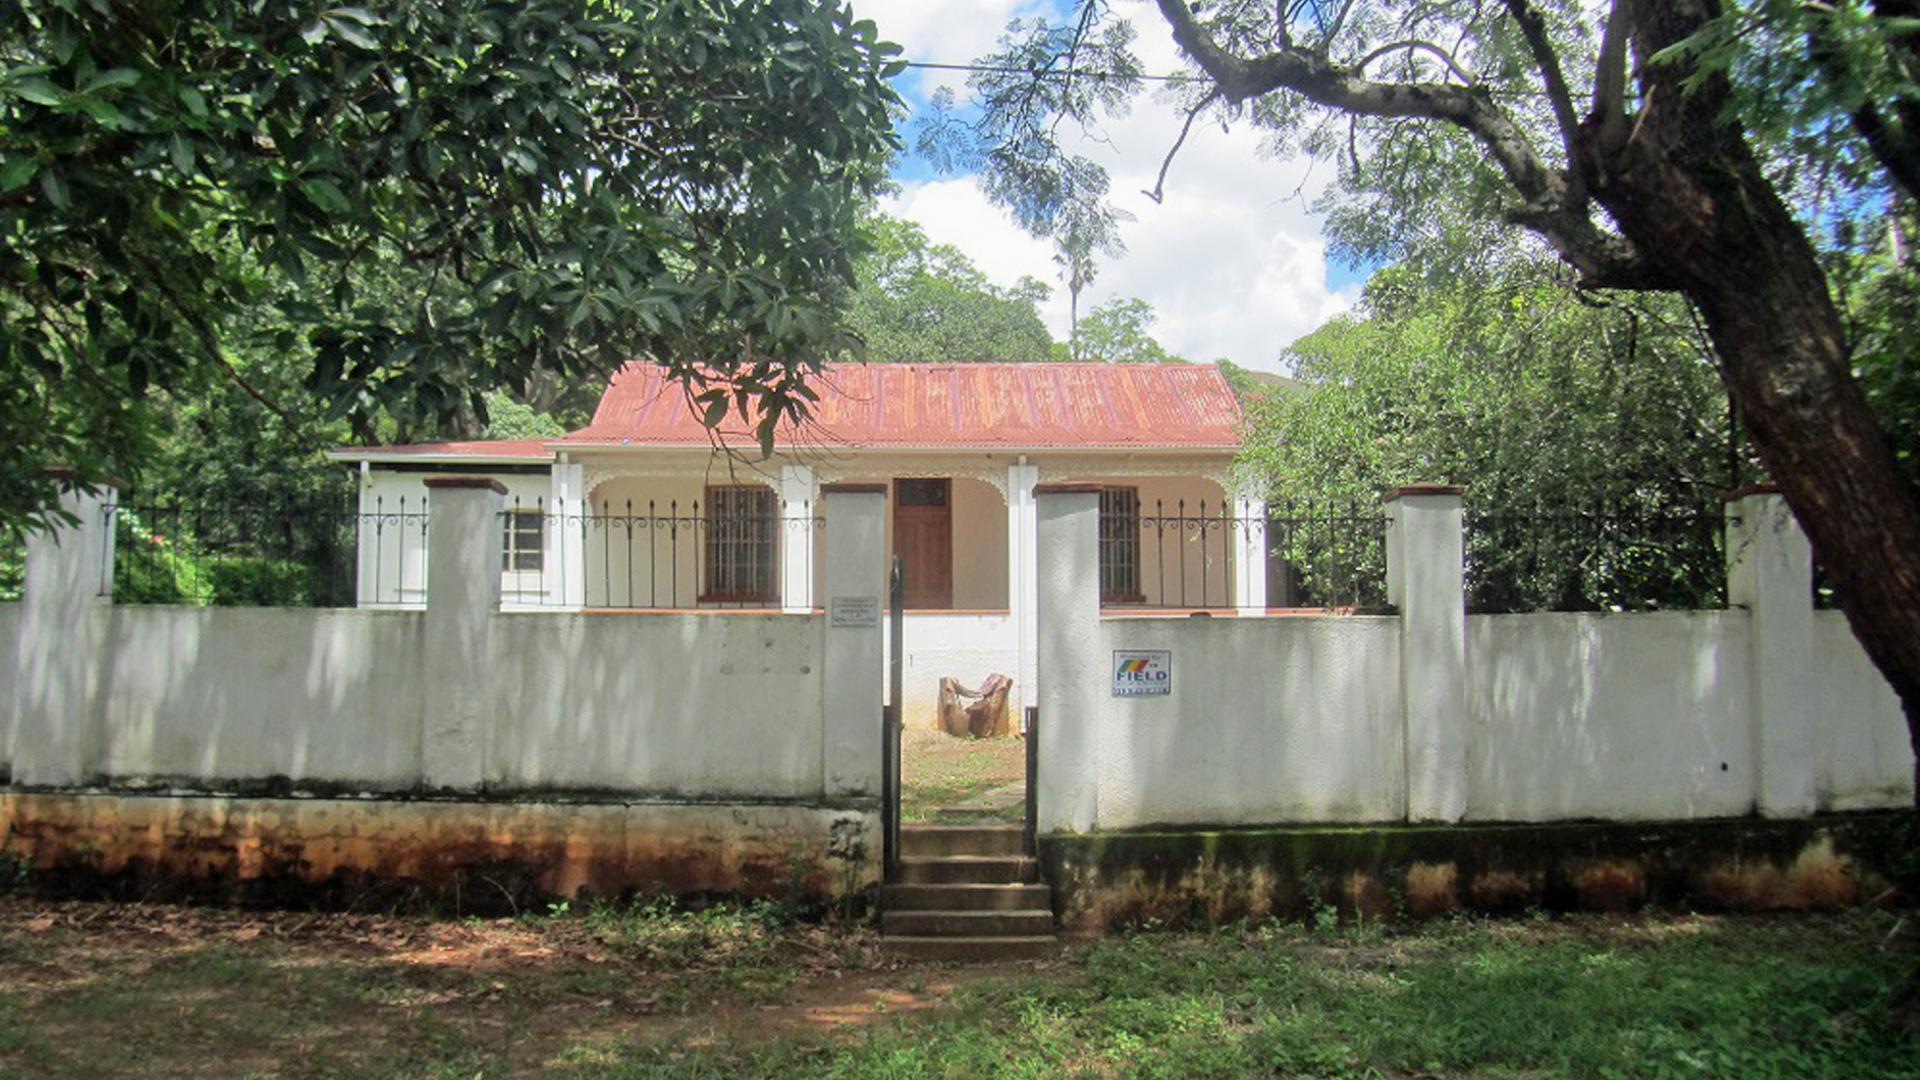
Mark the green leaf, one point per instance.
(182, 153)
(55, 189)
(38, 91)
(325, 195)
(111, 79)
(350, 31)
(17, 171)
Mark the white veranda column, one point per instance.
(566, 553)
(1021, 588)
(1250, 556)
(799, 503)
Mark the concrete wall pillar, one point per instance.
(1021, 585)
(1770, 574)
(1073, 675)
(798, 499)
(64, 605)
(1426, 580)
(566, 550)
(463, 596)
(1249, 539)
(856, 600)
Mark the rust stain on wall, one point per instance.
(1432, 889)
(1115, 880)
(466, 852)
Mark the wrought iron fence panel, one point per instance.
(1327, 557)
(656, 555)
(324, 555)
(1311, 557)
(1603, 559)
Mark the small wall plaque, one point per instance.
(1142, 672)
(853, 611)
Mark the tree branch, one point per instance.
(1160, 182)
(1424, 46)
(1610, 83)
(1604, 260)
(1533, 27)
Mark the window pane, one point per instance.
(741, 527)
(1120, 545)
(523, 541)
(921, 492)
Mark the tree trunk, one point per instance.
(1687, 190)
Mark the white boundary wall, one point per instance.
(1608, 716)
(1293, 719)
(1522, 718)
(694, 706)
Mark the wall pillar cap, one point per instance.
(1746, 491)
(1067, 489)
(480, 482)
(1408, 490)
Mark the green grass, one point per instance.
(658, 991)
(1712, 998)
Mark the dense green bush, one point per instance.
(258, 582)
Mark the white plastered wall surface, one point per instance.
(1269, 720)
(1617, 716)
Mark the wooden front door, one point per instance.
(923, 538)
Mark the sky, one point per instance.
(1232, 261)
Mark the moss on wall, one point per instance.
(1106, 880)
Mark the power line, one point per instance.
(991, 69)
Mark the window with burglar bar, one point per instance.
(523, 544)
(742, 524)
(1120, 546)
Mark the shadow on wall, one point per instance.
(1622, 716)
(672, 705)
(688, 706)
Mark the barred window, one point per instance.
(521, 547)
(742, 524)
(1120, 546)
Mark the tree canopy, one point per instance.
(420, 200)
(1566, 418)
(918, 301)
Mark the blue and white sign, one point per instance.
(1142, 672)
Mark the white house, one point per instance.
(646, 509)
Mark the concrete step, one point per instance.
(965, 898)
(961, 950)
(1037, 923)
(924, 841)
(969, 869)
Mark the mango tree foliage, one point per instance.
(545, 186)
(918, 301)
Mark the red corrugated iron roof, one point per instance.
(530, 449)
(983, 406)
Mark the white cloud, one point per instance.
(1231, 260)
(946, 31)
